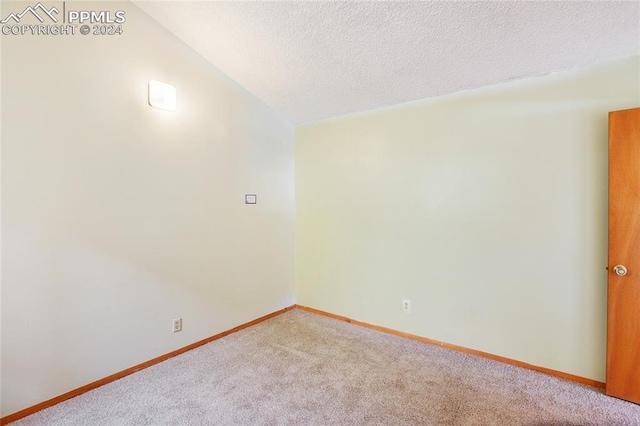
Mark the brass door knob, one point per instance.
(620, 270)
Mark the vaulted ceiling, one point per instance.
(318, 59)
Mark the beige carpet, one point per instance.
(304, 369)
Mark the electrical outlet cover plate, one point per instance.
(177, 325)
(406, 306)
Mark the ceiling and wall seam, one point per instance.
(316, 60)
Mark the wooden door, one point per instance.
(623, 308)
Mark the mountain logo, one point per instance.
(34, 11)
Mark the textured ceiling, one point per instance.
(315, 60)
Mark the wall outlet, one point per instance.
(406, 306)
(177, 325)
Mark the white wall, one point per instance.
(486, 208)
(118, 217)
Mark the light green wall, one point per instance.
(486, 208)
(118, 217)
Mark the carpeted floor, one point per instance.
(304, 369)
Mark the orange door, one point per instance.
(623, 309)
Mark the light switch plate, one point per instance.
(250, 199)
